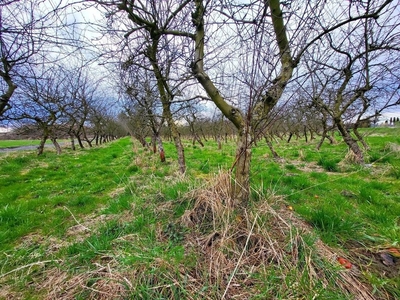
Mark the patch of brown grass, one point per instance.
(393, 147)
(7, 294)
(232, 245)
(302, 156)
(212, 204)
(350, 157)
(115, 193)
(310, 167)
(102, 283)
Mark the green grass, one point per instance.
(20, 143)
(111, 206)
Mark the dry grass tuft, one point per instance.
(116, 192)
(7, 293)
(212, 204)
(350, 158)
(393, 147)
(302, 156)
(101, 284)
(240, 244)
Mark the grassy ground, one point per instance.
(113, 222)
(19, 143)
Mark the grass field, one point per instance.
(19, 143)
(113, 222)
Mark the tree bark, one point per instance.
(271, 147)
(179, 147)
(71, 137)
(166, 96)
(41, 144)
(86, 139)
(5, 98)
(154, 143)
(56, 145)
(78, 138)
(197, 138)
(350, 142)
(219, 142)
(321, 141)
(290, 137)
(360, 138)
(160, 148)
(241, 186)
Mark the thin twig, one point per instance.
(28, 265)
(76, 219)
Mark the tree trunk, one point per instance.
(219, 142)
(312, 137)
(241, 184)
(180, 150)
(325, 135)
(162, 84)
(142, 141)
(78, 138)
(56, 145)
(85, 138)
(154, 143)
(5, 98)
(160, 147)
(198, 139)
(321, 141)
(360, 138)
(305, 133)
(41, 145)
(72, 142)
(271, 147)
(290, 137)
(203, 135)
(175, 136)
(332, 138)
(241, 188)
(350, 142)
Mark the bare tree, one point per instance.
(27, 33)
(103, 124)
(148, 38)
(354, 77)
(264, 22)
(191, 116)
(141, 94)
(257, 46)
(41, 100)
(80, 104)
(134, 120)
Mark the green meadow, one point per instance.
(18, 143)
(112, 222)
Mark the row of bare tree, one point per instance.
(57, 102)
(317, 65)
(46, 87)
(336, 59)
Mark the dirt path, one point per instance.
(25, 148)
